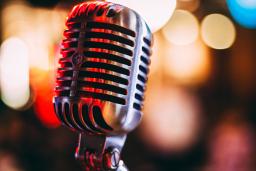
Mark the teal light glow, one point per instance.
(244, 12)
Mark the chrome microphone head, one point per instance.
(103, 69)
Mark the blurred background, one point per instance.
(200, 110)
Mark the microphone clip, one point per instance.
(101, 152)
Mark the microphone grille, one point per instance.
(103, 70)
(108, 49)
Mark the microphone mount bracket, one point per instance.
(101, 152)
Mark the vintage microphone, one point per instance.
(101, 79)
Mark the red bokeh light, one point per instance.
(42, 83)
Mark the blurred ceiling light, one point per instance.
(244, 12)
(190, 64)
(218, 31)
(189, 5)
(172, 119)
(15, 73)
(182, 28)
(155, 13)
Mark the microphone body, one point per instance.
(102, 74)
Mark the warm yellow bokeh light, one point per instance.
(14, 73)
(218, 31)
(155, 13)
(188, 64)
(182, 28)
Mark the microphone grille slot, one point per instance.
(86, 118)
(77, 117)
(98, 117)
(68, 116)
(111, 27)
(59, 112)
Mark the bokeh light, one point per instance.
(30, 24)
(172, 119)
(155, 13)
(182, 28)
(244, 12)
(218, 31)
(8, 162)
(190, 64)
(14, 73)
(231, 145)
(40, 29)
(43, 85)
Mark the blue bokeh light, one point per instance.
(243, 12)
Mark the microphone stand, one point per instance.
(100, 152)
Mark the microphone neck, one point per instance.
(101, 152)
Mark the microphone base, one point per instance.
(101, 152)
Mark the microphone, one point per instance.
(101, 79)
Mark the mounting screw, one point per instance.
(112, 158)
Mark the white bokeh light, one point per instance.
(14, 73)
